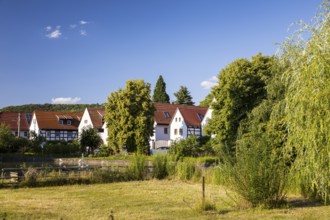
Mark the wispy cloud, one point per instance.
(83, 32)
(73, 26)
(209, 83)
(68, 100)
(82, 22)
(54, 34)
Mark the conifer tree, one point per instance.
(160, 94)
(183, 96)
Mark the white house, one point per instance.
(187, 121)
(162, 118)
(56, 125)
(94, 118)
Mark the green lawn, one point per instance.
(167, 199)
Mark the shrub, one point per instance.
(160, 166)
(30, 177)
(136, 168)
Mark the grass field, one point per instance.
(167, 199)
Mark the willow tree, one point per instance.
(308, 103)
(129, 117)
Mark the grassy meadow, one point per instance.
(166, 199)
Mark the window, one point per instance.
(179, 119)
(69, 134)
(165, 131)
(61, 121)
(176, 119)
(175, 131)
(167, 115)
(86, 121)
(69, 122)
(48, 133)
(200, 116)
(181, 131)
(25, 133)
(57, 133)
(16, 133)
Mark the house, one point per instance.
(56, 125)
(208, 116)
(162, 118)
(187, 121)
(94, 118)
(19, 123)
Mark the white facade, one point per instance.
(178, 127)
(86, 121)
(34, 125)
(161, 136)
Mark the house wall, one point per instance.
(207, 117)
(85, 121)
(34, 125)
(104, 134)
(52, 135)
(178, 123)
(23, 134)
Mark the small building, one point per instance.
(187, 121)
(162, 118)
(19, 123)
(94, 118)
(56, 125)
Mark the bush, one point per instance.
(160, 166)
(65, 148)
(136, 168)
(30, 176)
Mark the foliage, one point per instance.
(35, 142)
(241, 88)
(207, 100)
(90, 138)
(307, 98)
(63, 148)
(30, 177)
(130, 117)
(7, 139)
(183, 96)
(160, 166)
(137, 167)
(160, 94)
(192, 146)
(50, 107)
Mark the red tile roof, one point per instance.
(97, 115)
(160, 109)
(192, 115)
(189, 113)
(50, 120)
(11, 119)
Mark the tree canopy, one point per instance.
(90, 138)
(129, 117)
(241, 88)
(160, 94)
(183, 96)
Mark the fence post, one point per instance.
(203, 191)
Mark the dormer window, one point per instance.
(200, 116)
(167, 115)
(69, 122)
(61, 121)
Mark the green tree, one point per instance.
(90, 138)
(207, 100)
(307, 96)
(7, 139)
(241, 88)
(183, 96)
(130, 117)
(160, 94)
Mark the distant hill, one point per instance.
(50, 107)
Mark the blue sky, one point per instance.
(70, 51)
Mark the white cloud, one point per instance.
(55, 34)
(209, 83)
(83, 32)
(48, 28)
(82, 22)
(67, 100)
(73, 26)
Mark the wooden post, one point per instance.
(203, 191)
